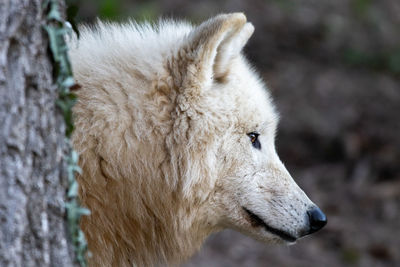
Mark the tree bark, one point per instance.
(33, 230)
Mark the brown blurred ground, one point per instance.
(333, 68)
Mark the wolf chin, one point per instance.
(175, 132)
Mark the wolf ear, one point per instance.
(212, 46)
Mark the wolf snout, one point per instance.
(317, 219)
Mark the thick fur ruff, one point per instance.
(162, 123)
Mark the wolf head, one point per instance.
(175, 132)
(231, 130)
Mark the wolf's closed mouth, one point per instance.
(257, 221)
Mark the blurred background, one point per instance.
(333, 68)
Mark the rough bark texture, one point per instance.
(33, 230)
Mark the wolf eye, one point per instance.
(254, 139)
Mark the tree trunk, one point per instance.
(33, 230)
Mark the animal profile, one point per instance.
(175, 132)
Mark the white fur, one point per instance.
(161, 126)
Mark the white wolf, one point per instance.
(176, 139)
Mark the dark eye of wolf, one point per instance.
(254, 139)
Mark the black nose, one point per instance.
(317, 219)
